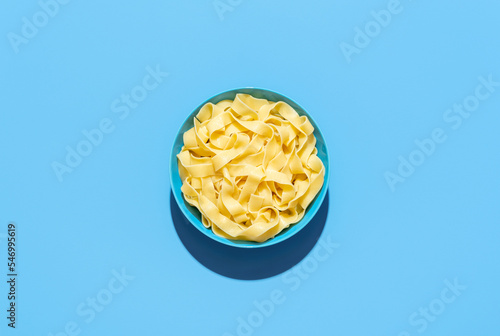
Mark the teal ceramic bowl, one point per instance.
(193, 214)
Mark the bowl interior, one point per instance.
(193, 214)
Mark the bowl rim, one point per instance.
(319, 198)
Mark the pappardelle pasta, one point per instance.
(250, 167)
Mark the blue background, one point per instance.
(113, 211)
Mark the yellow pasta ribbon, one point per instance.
(250, 166)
